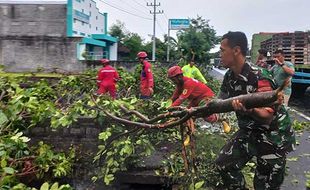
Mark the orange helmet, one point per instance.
(104, 61)
(174, 71)
(142, 54)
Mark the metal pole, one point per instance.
(154, 34)
(154, 27)
(168, 47)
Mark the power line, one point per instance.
(140, 4)
(166, 17)
(161, 28)
(125, 10)
(133, 6)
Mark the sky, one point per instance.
(249, 16)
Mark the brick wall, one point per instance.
(83, 135)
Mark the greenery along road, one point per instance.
(62, 102)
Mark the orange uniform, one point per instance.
(193, 90)
(146, 80)
(106, 80)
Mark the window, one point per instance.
(75, 32)
(96, 17)
(82, 10)
(101, 30)
(96, 28)
(83, 34)
(89, 13)
(89, 4)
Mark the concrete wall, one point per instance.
(27, 54)
(33, 20)
(113, 52)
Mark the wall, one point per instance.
(96, 22)
(83, 136)
(27, 53)
(33, 20)
(113, 52)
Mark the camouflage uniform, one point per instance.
(268, 143)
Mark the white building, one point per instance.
(76, 20)
(85, 20)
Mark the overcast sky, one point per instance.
(249, 16)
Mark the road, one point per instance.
(298, 161)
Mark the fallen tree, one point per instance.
(178, 115)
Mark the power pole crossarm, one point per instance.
(154, 5)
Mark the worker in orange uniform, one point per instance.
(107, 78)
(146, 77)
(189, 89)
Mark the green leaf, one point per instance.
(8, 170)
(45, 186)
(25, 139)
(3, 163)
(292, 159)
(54, 186)
(3, 118)
(199, 184)
(108, 178)
(15, 137)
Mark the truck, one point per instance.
(301, 79)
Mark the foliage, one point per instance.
(118, 31)
(62, 102)
(207, 146)
(308, 180)
(19, 161)
(44, 186)
(133, 42)
(300, 126)
(200, 37)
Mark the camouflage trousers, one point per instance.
(242, 147)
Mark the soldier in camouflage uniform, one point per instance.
(264, 133)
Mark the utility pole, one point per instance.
(168, 47)
(154, 5)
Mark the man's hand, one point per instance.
(280, 99)
(238, 106)
(278, 61)
(151, 91)
(263, 115)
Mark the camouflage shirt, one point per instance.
(253, 79)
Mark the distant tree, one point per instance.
(197, 40)
(118, 31)
(134, 43)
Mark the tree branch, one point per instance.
(253, 100)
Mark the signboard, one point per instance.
(178, 24)
(81, 16)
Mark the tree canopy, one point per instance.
(198, 39)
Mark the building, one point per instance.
(296, 46)
(47, 34)
(256, 44)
